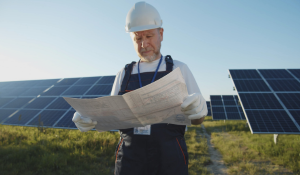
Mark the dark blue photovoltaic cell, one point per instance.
(29, 83)
(4, 113)
(215, 102)
(208, 104)
(231, 109)
(40, 103)
(87, 81)
(4, 101)
(59, 103)
(55, 91)
(219, 116)
(12, 91)
(66, 121)
(35, 91)
(242, 115)
(48, 117)
(244, 74)
(251, 85)
(217, 109)
(47, 83)
(295, 72)
(4, 84)
(14, 84)
(260, 101)
(227, 103)
(209, 112)
(17, 103)
(215, 97)
(76, 90)
(275, 73)
(284, 85)
(296, 115)
(107, 80)
(100, 90)
(67, 82)
(21, 117)
(233, 115)
(290, 100)
(270, 121)
(227, 97)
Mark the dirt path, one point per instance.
(217, 166)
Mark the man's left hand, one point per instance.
(194, 106)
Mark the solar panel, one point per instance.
(270, 99)
(40, 102)
(226, 107)
(208, 108)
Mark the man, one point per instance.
(157, 149)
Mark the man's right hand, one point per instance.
(83, 124)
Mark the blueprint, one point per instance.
(158, 102)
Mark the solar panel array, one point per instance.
(40, 102)
(270, 99)
(226, 107)
(208, 108)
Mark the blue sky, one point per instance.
(61, 39)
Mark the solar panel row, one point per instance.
(226, 107)
(208, 108)
(270, 98)
(40, 102)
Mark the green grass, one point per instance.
(248, 153)
(29, 150)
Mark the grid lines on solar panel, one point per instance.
(12, 91)
(271, 121)
(17, 103)
(290, 100)
(260, 101)
(34, 91)
(244, 74)
(107, 80)
(55, 91)
(59, 103)
(4, 101)
(67, 82)
(285, 90)
(76, 90)
(100, 90)
(284, 85)
(48, 117)
(87, 81)
(4, 113)
(295, 72)
(275, 73)
(47, 83)
(251, 85)
(21, 117)
(296, 115)
(40, 103)
(66, 121)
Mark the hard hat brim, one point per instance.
(142, 28)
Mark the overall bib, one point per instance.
(164, 151)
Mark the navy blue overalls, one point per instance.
(163, 152)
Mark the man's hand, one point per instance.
(194, 106)
(83, 124)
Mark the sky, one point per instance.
(71, 38)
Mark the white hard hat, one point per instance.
(142, 16)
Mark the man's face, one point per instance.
(147, 44)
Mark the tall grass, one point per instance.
(28, 150)
(248, 153)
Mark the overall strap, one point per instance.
(128, 70)
(169, 63)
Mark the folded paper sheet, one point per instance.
(158, 102)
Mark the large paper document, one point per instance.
(158, 102)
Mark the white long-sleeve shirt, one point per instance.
(190, 81)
